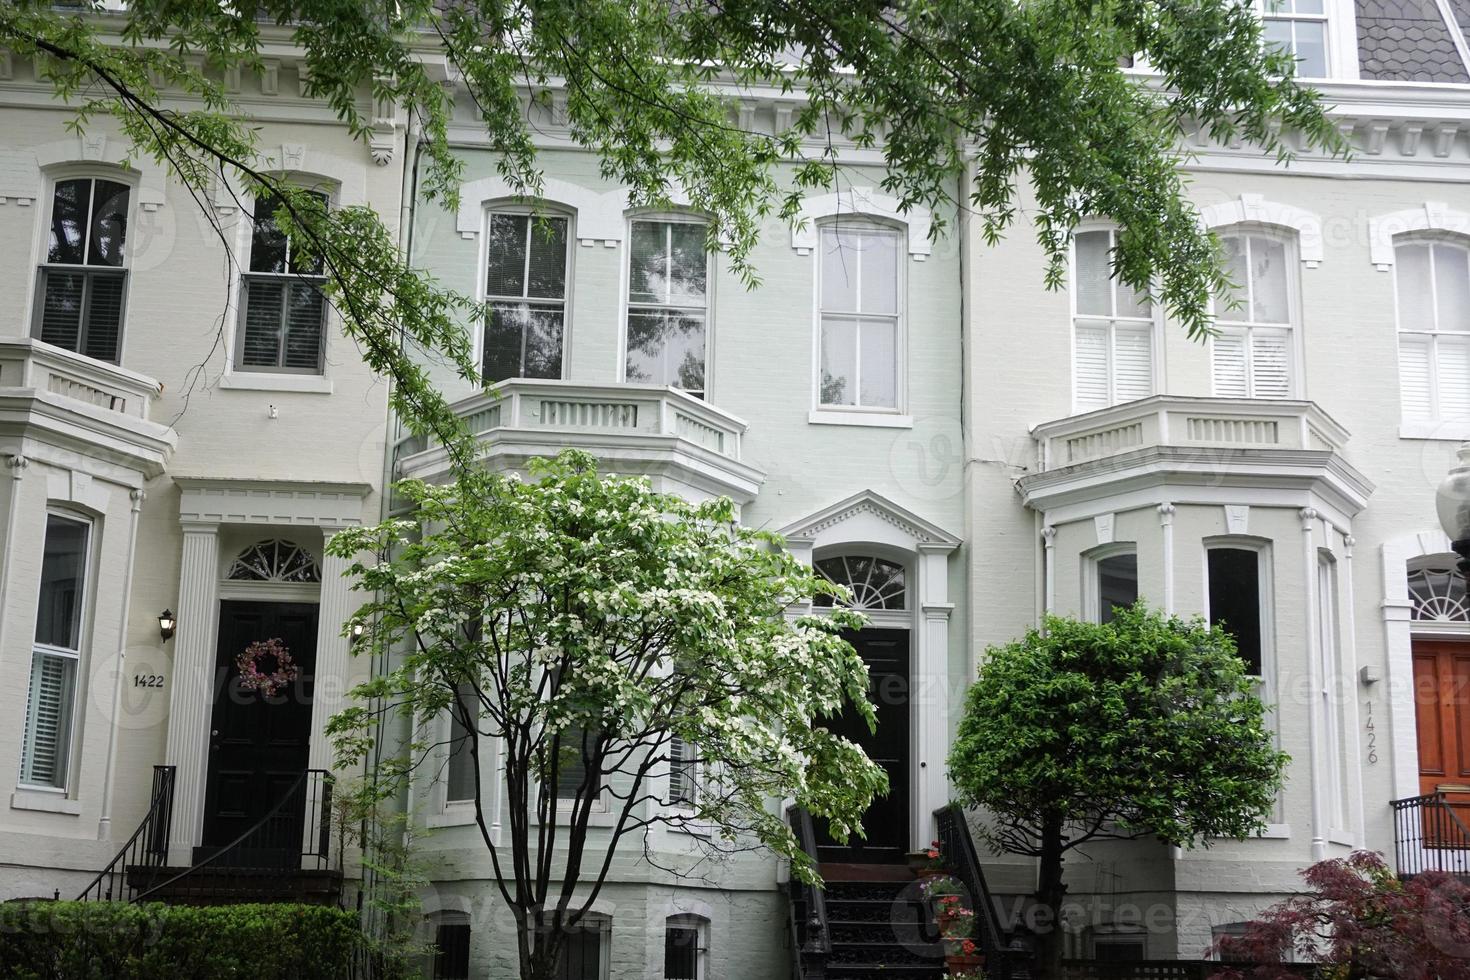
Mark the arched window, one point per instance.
(1433, 289)
(526, 259)
(83, 280)
(1438, 593)
(1252, 352)
(275, 560)
(1112, 328)
(875, 582)
(686, 947)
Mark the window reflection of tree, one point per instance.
(668, 271)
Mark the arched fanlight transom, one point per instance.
(1438, 592)
(275, 561)
(875, 583)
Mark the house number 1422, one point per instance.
(147, 680)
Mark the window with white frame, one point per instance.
(860, 333)
(1298, 28)
(1113, 329)
(526, 291)
(686, 947)
(283, 312)
(584, 951)
(82, 285)
(1119, 944)
(1114, 584)
(683, 773)
(1432, 282)
(459, 769)
(55, 654)
(668, 303)
(1252, 351)
(1238, 604)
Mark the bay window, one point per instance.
(83, 282)
(526, 291)
(1236, 599)
(1113, 329)
(283, 312)
(1433, 287)
(1115, 583)
(1252, 352)
(668, 303)
(51, 701)
(859, 330)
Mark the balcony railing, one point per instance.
(1231, 424)
(641, 426)
(28, 363)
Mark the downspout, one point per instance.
(104, 823)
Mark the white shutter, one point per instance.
(1133, 363)
(1270, 364)
(1228, 364)
(48, 725)
(1414, 387)
(1090, 366)
(1452, 361)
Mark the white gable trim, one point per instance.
(887, 523)
(858, 201)
(1430, 216)
(1254, 209)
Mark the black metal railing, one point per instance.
(294, 835)
(1170, 969)
(1430, 834)
(962, 860)
(811, 939)
(147, 848)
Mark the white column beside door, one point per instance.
(333, 655)
(190, 693)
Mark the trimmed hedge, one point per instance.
(114, 941)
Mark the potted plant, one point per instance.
(957, 926)
(928, 863)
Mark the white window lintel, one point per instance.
(1431, 216)
(855, 202)
(1254, 209)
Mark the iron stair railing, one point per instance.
(147, 848)
(1429, 835)
(293, 835)
(811, 940)
(1003, 961)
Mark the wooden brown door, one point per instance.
(1442, 711)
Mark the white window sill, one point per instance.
(879, 420)
(454, 815)
(1456, 430)
(44, 802)
(311, 384)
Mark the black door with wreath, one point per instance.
(259, 742)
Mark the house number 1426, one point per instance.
(147, 680)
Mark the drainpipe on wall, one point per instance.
(104, 824)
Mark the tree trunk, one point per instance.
(1050, 890)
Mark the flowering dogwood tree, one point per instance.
(605, 643)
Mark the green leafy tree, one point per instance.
(960, 100)
(583, 626)
(1147, 726)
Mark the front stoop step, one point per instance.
(880, 927)
(234, 886)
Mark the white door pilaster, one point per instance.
(333, 652)
(190, 693)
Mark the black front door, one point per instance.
(886, 653)
(259, 743)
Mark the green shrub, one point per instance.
(113, 941)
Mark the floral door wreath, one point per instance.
(254, 678)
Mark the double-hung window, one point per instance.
(1252, 352)
(283, 313)
(1298, 28)
(1433, 280)
(683, 773)
(83, 282)
(1113, 331)
(526, 290)
(668, 303)
(46, 753)
(859, 312)
(459, 775)
(1237, 600)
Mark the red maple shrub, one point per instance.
(1358, 920)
